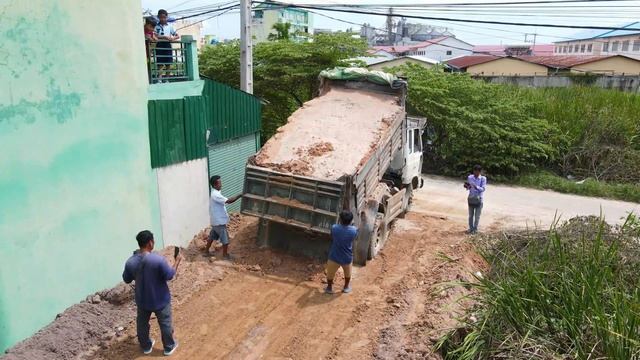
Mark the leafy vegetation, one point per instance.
(571, 292)
(285, 72)
(474, 122)
(580, 132)
(588, 187)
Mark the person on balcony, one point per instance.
(149, 39)
(164, 53)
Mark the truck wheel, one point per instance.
(378, 237)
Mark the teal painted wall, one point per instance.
(76, 183)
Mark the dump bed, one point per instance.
(296, 192)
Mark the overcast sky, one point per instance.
(608, 14)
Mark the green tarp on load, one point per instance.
(360, 74)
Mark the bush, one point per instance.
(474, 122)
(588, 187)
(568, 293)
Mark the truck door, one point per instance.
(413, 152)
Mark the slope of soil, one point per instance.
(271, 305)
(330, 135)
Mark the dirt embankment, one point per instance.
(105, 318)
(330, 135)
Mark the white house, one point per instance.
(440, 49)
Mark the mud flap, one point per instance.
(365, 232)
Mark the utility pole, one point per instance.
(246, 47)
(390, 36)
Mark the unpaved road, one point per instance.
(270, 305)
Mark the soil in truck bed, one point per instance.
(331, 135)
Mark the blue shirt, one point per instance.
(480, 183)
(152, 291)
(165, 30)
(342, 243)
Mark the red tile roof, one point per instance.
(396, 49)
(464, 62)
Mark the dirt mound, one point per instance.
(330, 135)
(108, 316)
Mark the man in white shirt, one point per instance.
(219, 216)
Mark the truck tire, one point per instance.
(378, 237)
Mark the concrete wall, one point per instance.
(622, 83)
(613, 66)
(184, 200)
(75, 180)
(507, 66)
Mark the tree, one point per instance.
(282, 32)
(285, 72)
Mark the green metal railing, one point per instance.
(171, 61)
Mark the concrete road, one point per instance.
(510, 206)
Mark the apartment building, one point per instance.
(599, 42)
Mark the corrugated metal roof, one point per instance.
(414, 57)
(464, 62)
(598, 34)
(499, 50)
(564, 62)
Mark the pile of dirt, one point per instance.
(108, 316)
(331, 135)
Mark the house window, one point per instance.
(625, 45)
(575, 48)
(570, 49)
(636, 45)
(449, 52)
(583, 48)
(564, 49)
(614, 46)
(605, 47)
(590, 48)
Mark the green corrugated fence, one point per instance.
(177, 128)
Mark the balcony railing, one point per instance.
(172, 61)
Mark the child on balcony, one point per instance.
(164, 53)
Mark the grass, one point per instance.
(590, 187)
(568, 293)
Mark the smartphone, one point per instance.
(176, 252)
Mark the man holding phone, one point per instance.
(151, 273)
(476, 185)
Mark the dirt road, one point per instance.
(270, 305)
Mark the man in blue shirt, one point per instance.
(151, 273)
(341, 252)
(476, 184)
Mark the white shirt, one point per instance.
(217, 209)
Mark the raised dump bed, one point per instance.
(336, 152)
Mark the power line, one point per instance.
(287, 5)
(209, 18)
(467, 4)
(209, 12)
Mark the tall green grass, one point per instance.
(568, 293)
(589, 187)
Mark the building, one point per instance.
(440, 49)
(411, 59)
(599, 42)
(489, 65)
(514, 50)
(266, 14)
(607, 64)
(192, 28)
(94, 153)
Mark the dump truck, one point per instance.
(353, 147)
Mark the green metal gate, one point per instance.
(228, 159)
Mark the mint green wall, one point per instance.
(75, 178)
